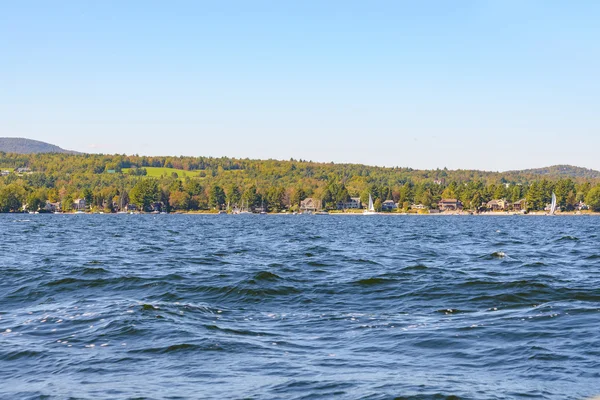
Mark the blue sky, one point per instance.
(460, 84)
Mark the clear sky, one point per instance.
(492, 85)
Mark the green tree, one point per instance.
(377, 205)
(179, 200)
(535, 196)
(515, 193)
(476, 201)
(563, 188)
(500, 192)
(342, 194)
(193, 187)
(36, 200)
(570, 201)
(593, 198)
(67, 203)
(405, 194)
(88, 195)
(274, 198)
(216, 197)
(12, 197)
(450, 191)
(233, 194)
(250, 197)
(144, 193)
(426, 198)
(297, 196)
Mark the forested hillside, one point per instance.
(202, 183)
(562, 171)
(28, 146)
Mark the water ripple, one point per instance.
(189, 306)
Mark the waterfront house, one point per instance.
(52, 207)
(581, 206)
(418, 207)
(497, 205)
(388, 205)
(520, 205)
(354, 202)
(79, 204)
(310, 205)
(156, 206)
(450, 205)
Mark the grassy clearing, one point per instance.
(157, 172)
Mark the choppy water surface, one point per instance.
(377, 307)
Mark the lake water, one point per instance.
(273, 307)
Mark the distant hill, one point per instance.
(29, 146)
(561, 171)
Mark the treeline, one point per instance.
(110, 182)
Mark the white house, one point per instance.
(354, 202)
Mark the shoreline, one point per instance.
(347, 214)
(389, 214)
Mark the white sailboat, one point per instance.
(244, 210)
(371, 209)
(553, 205)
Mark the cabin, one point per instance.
(354, 202)
(4, 173)
(310, 205)
(388, 205)
(131, 207)
(450, 205)
(497, 205)
(79, 204)
(520, 205)
(418, 207)
(156, 206)
(52, 207)
(581, 206)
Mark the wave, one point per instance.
(240, 332)
(21, 354)
(417, 267)
(177, 348)
(567, 238)
(374, 281)
(265, 276)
